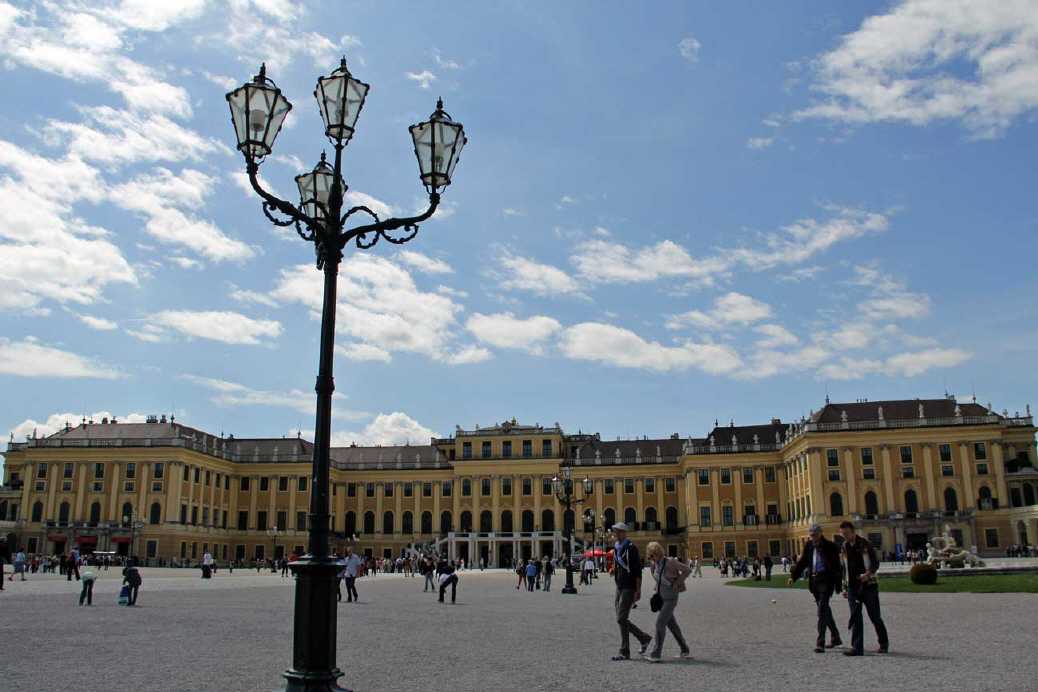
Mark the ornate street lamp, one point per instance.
(563, 488)
(258, 111)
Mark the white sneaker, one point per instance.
(652, 659)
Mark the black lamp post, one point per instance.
(563, 488)
(128, 520)
(258, 110)
(591, 518)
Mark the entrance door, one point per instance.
(548, 548)
(504, 555)
(122, 549)
(526, 550)
(463, 552)
(484, 554)
(917, 541)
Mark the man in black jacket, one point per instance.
(820, 560)
(862, 589)
(627, 572)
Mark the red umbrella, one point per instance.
(597, 552)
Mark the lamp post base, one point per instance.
(569, 589)
(298, 681)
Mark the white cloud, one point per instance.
(362, 352)
(223, 326)
(505, 330)
(47, 251)
(890, 300)
(386, 429)
(157, 16)
(802, 274)
(186, 262)
(384, 210)
(730, 309)
(759, 142)
(379, 304)
(56, 422)
(149, 333)
(511, 211)
(98, 323)
(908, 364)
(223, 81)
(688, 48)
(605, 343)
(159, 196)
(445, 63)
(274, 36)
(469, 355)
(424, 79)
(931, 60)
(30, 358)
(775, 336)
(424, 263)
(608, 262)
(808, 237)
(233, 394)
(244, 295)
(768, 362)
(524, 274)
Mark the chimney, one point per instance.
(163, 419)
(104, 421)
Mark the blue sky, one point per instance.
(662, 217)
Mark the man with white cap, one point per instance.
(627, 573)
(820, 560)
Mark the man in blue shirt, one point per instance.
(627, 573)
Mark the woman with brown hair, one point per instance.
(670, 578)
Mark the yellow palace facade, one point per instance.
(903, 471)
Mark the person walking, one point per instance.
(73, 564)
(448, 577)
(820, 560)
(132, 579)
(670, 576)
(548, 569)
(861, 562)
(531, 575)
(19, 566)
(697, 567)
(87, 592)
(353, 562)
(627, 574)
(520, 569)
(768, 564)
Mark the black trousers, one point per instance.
(823, 591)
(87, 593)
(351, 589)
(453, 583)
(869, 597)
(134, 588)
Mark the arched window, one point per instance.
(63, 513)
(426, 522)
(985, 492)
(527, 521)
(446, 525)
(610, 517)
(630, 517)
(672, 518)
(37, 512)
(407, 523)
(369, 522)
(95, 512)
(911, 502)
(351, 524)
(506, 521)
(155, 516)
(127, 516)
(486, 521)
(387, 522)
(548, 520)
(1029, 498)
(871, 503)
(836, 505)
(466, 522)
(951, 500)
(650, 515)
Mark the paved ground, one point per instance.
(234, 633)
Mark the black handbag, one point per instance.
(656, 602)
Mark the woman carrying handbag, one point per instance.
(670, 578)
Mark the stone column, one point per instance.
(379, 496)
(398, 520)
(495, 506)
(112, 486)
(782, 478)
(816, 469)
(456, 496)
(272, 515)
(477, 491)
(715, 498)
(83, 470)
(54, 477)
(888, 479)
(928, 470)
(661, 503)
(253, 501)
(212, 503)
(599, 500)
(639, 498)
(234, 484)
(437, 488)
(999, 470)
(537, 482)
(737, 501)
(852, 480)
(173, 489)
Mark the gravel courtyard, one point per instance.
(234, 633)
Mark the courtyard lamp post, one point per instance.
(258, 110)
(274, 532)
(128, 520)
(591, 518)
(563, 487)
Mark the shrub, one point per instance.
(923, 573)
